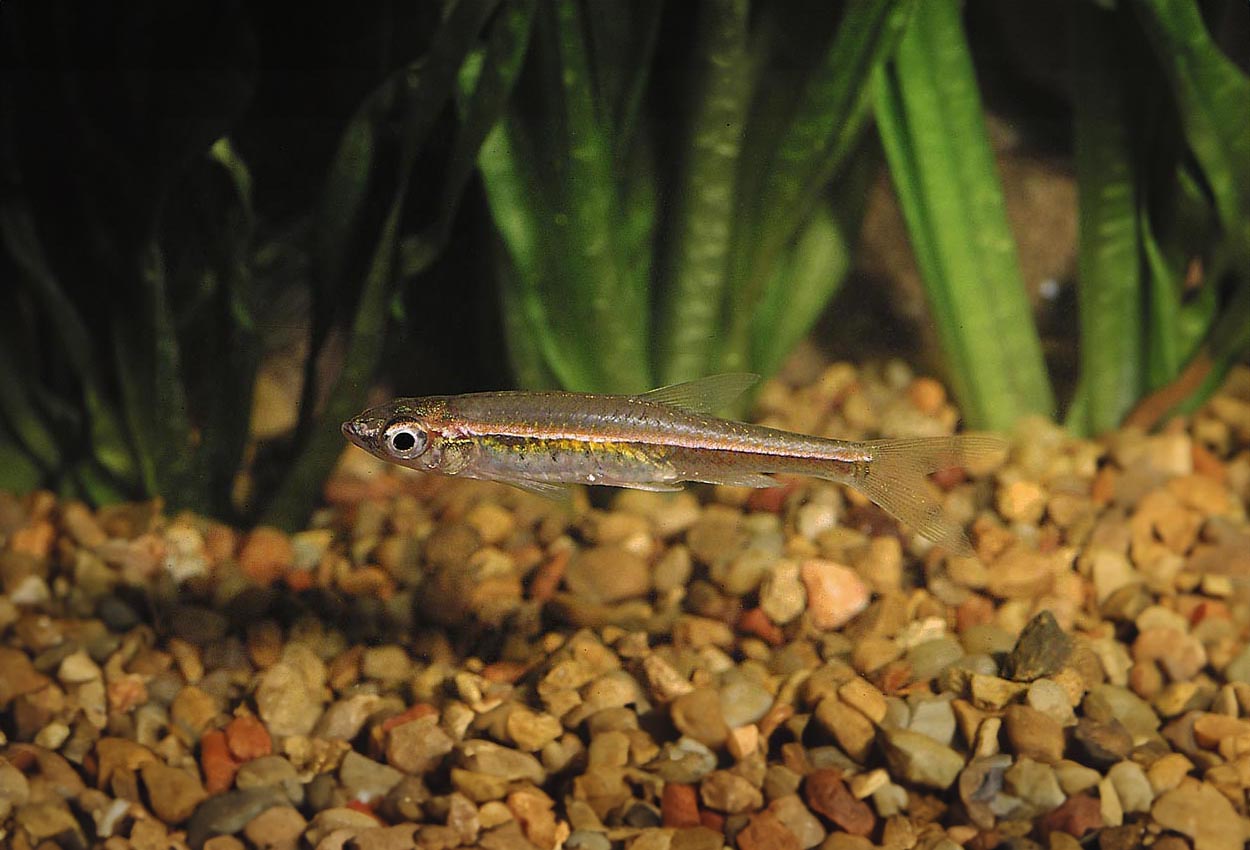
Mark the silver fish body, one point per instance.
(544, 441)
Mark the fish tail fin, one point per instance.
(896, 478)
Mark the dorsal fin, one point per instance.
(708, 395)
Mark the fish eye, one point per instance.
(405, 440)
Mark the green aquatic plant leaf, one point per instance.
(803, 282)
(109, 443)
(607, 308)
(553, 193)
(833, 107)
(1211, 94)
(485, 83)
(692, 302)
(412, 98)
(520, 211)
(622, 44)
(1110, 283)
(19, 473)
(932, 129)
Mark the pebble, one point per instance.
(389, 665)
(827, 794)
(790, 810)
(1104, 742)
(1048, 697)
(782, 594)
(698, 715)
(743, 700)
(606, 574)
(1042, 649)
(226, 814)
(419, 745)
(1078, 815)
(679, 805)
(919, 759)
(366, 780)
(278, 828)
(935, 718)
(271, 772)
(835, 594)
(853, 731)
(507, 764)
(532, 730)
(1033, 734)
(1035, 783)
(18, 676)
(764, 831)
(1199, 811)
(1110, 701)
(265, 555)
(928, 659)
(286, 702)
(991, 692)
(247, 738)
(1132, 786)
(684, 761)
(174, 793)
(729, 793)
(328, 821)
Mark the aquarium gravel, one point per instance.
(439, 663)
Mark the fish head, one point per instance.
(405, 431)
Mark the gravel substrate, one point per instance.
(441, 664)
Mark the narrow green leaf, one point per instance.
(223, 153)
(1213, 95)
(301, 488)
(244, 295)
(606, 308)
(520, 213)
(622, 43)
(1110, 285)
(692, 309)
(522, 335)
(485, 83)
(802, 284)
(418, 93)
(1163, 355)
(831, 112)
(19, 472)
(110, 446)
(933, 132)
(23, 420)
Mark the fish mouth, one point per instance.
(361, 431)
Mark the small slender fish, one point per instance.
(545, 441)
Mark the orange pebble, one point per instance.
(714, 821)
(548, 576)
(415, 713)
(266, 555)
(679, 806)
(755, 622)
(248, 738)
(926, 395)
(218, 766)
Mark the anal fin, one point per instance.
(756, 480)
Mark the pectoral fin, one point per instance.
(555, 492)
